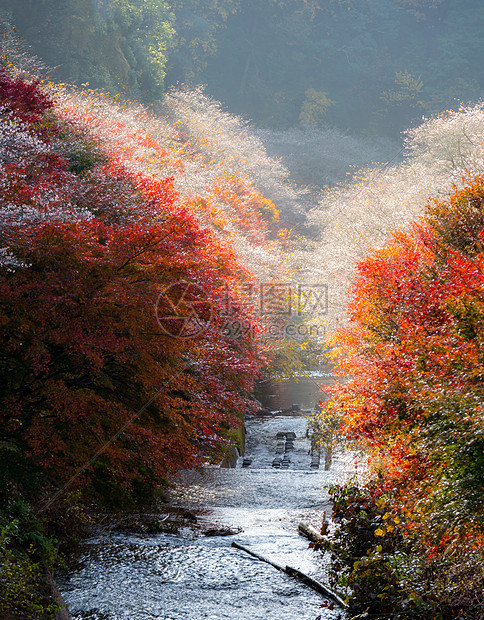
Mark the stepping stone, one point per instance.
(315, 460)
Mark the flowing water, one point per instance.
(189, 575)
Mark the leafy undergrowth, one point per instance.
(384, 566)
(26, 554)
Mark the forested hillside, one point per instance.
(131, 204)
(371, 67)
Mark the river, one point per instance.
(192, 576)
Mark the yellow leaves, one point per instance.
(386, 516)
(380, 503)
(382, 531)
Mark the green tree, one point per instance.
(117, 45)
(196, 24)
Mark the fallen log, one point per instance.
(309, 532)
(315, 585)
(259, 557)
(296, 574)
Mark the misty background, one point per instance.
(327, 85)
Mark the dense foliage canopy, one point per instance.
(130, 247)
(93, 234)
